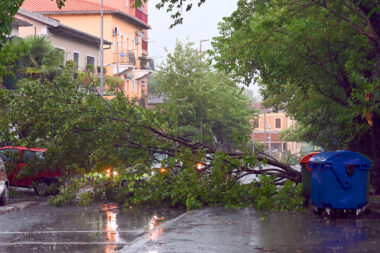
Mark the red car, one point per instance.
(17, 158)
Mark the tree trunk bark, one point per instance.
(375, 170)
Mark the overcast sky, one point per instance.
(198, 24)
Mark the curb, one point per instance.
(20, 206)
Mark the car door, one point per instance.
(32, 166)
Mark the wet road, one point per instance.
(105, 228)
(97, 228)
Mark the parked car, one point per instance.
(19, 160)
(3, 184)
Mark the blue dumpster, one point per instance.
(339, 180)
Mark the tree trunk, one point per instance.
(362, 144)
(375, 172)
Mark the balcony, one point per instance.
(146, 63)
(126, 57)
(142, 16)
(144, 45)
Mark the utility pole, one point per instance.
(253, 140)
(101, 50)
(265, 128)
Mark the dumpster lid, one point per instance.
(341, 156)
(306, 158)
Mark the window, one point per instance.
(127, 3)
(91, 60)
(44, 30)
(27, 155)
(76, 59)
(278, 123)
(9, 155)
(63, 52)
(33, 158)
(90, 66)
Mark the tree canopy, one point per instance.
(317, 60)
(208, 105)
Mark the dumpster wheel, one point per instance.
(317, 210)
(360, 211)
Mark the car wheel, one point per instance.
(4, 197)
(40, 187)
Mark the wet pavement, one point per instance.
(96, 228)
(106, 228)
(248, 230)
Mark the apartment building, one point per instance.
(123, 25)
(267, 130)
(78, 46)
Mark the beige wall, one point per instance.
(67, 44)
(271, 121)
(71, 46)
(273, 131)
(90, 23)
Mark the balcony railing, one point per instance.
(146, 63)
(142, 16)
(125, 57)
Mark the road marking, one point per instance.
(61, 243)
(75, 231)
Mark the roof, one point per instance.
(57, 28)
(142, 73)
(70, 6)
(18, 23)
(78, 7)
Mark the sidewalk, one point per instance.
(374, 203)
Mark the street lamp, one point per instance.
(200, 44)
(200, 60)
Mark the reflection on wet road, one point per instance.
(111, 228)
(106, 229)
(100, 229)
